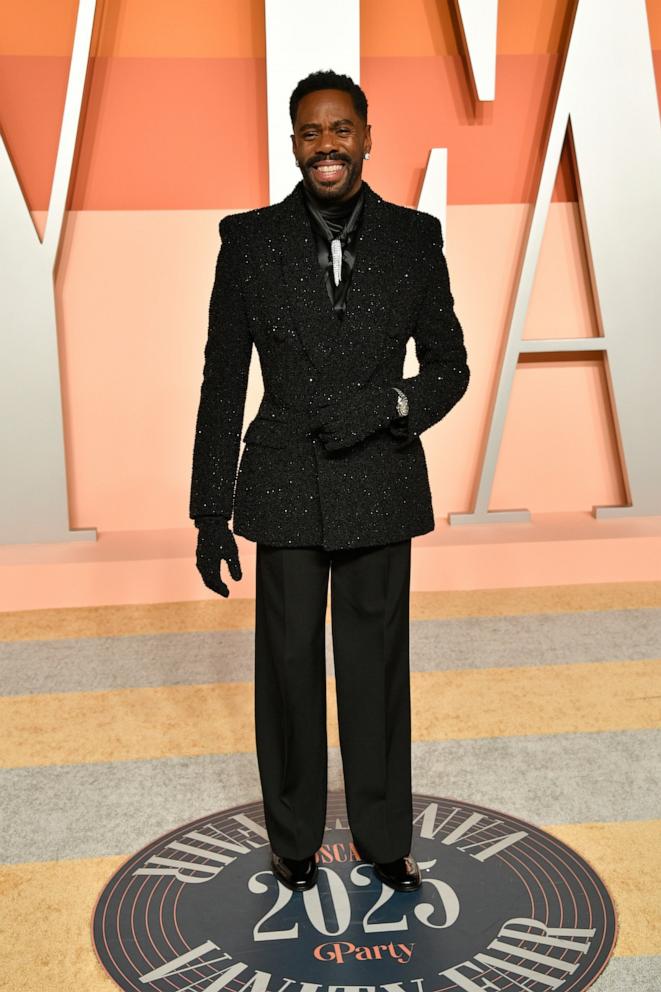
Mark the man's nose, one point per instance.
(327, 141)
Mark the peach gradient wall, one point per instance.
(173, 136)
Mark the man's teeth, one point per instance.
(329, 168)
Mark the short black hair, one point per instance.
(326, 79)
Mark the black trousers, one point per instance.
(370, 636)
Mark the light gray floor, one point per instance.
(116, 807)
(90, 664)
(630, 975)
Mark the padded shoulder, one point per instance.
(248, 222)
(429, 226)
(229, 226)
(419, 223)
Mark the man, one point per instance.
(328, 284)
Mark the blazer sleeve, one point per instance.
(439, 344)
(224, 383)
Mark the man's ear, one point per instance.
(368, 137)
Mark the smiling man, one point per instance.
(335, 174)
(328, 285)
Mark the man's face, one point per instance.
(329, 141)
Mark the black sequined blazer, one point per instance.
(269, 292)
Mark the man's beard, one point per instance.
(337, 190)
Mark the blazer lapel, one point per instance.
(302, 277)
(362, 335)
(374, 280)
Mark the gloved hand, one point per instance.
(215, 541)
(348, 419)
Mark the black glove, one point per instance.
(215, 541)
(344, 421)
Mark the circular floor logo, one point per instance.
(503, 906)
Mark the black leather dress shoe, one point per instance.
(295, 873)
(402, 874)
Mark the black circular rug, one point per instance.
(503, 906)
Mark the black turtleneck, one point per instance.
(335, 212)
(331, 219)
